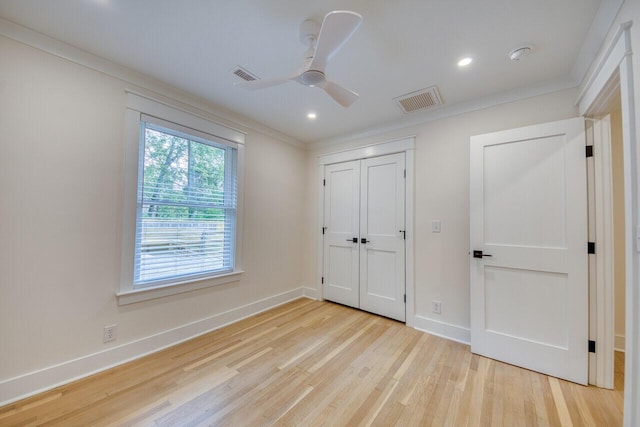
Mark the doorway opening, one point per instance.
(615, 68)
(606, 228)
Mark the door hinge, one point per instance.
(323, 229)
(324, 182)
(591, 247)
(405, 298)
(592, 346)
(589, 150)
(322, 280)
(405, 173)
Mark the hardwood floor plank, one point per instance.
(303, 352)
(382, 400)
(488, 394)
(317, 363)
(537, 401)
(177, 397)
(341, 347)
(561, 404)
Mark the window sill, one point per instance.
(144, 294)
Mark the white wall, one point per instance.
(442, 193)
(61, 198)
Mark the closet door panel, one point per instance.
(341, 219)
(382, 244)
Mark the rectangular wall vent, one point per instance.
(419, 100)
(244, 74)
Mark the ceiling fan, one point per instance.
(323, 42)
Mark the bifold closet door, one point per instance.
(364, 251)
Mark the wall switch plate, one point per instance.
(436, 307)
(436, 226)
(109, 333)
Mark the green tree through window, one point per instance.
(186, 207)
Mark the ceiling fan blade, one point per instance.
(341, 95)
(338, 26)
(262, 84)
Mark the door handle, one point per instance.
(364, 241)
(353, 240)
(479, 254)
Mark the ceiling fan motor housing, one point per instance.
(312, 78)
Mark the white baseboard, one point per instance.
(31, 383)
(442, 329)
(311, 293)
(619, 343)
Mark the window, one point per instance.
(182, 223)
(186, 208)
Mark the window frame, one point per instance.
(141, 108)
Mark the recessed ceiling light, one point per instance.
(464, 62)
(311, 116)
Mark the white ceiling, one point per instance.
(401, 46)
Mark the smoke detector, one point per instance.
(519, 53)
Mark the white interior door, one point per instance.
(341, 220)
(528, 217)
(382, 224)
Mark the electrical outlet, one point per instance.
(109, 333)
(436, 307)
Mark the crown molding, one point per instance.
(600, 26)
(612, 55)
(450, 111)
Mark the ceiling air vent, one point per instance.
(244, 74)
(419, 100)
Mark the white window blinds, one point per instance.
(186, 205)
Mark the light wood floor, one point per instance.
(317, 363)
